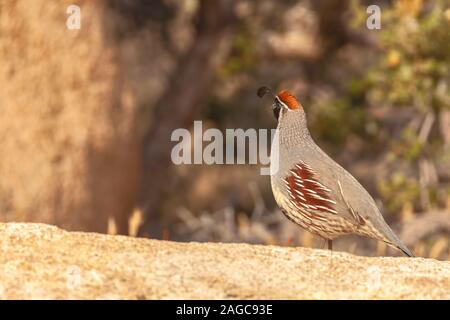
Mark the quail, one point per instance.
(314, 191)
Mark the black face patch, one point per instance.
(276, 109)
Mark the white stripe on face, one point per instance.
(281, 102)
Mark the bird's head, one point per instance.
(284, 101)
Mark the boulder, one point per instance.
(43, 262)
(70, 101)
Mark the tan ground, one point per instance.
(41, 261)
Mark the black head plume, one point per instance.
(262, 91)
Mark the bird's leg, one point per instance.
(330, 247)
(323, 244)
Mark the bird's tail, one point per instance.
(405, 250)
(395, 242)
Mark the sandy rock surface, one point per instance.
(42, 261)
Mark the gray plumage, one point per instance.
(316, 192)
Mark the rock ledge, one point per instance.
(43, 262)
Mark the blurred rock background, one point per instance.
(86, 115)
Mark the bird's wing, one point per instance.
(307, 193)
(355, 214)
(317, 192)
(311, 191)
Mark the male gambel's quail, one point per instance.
(314, 191)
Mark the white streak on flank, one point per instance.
(302, 212)
(314, 182)
(327, 209)
(302, 198)
(323, 199)
(311, 192)
(323, 187)
(295, 175)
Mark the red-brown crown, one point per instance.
(289, 100)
